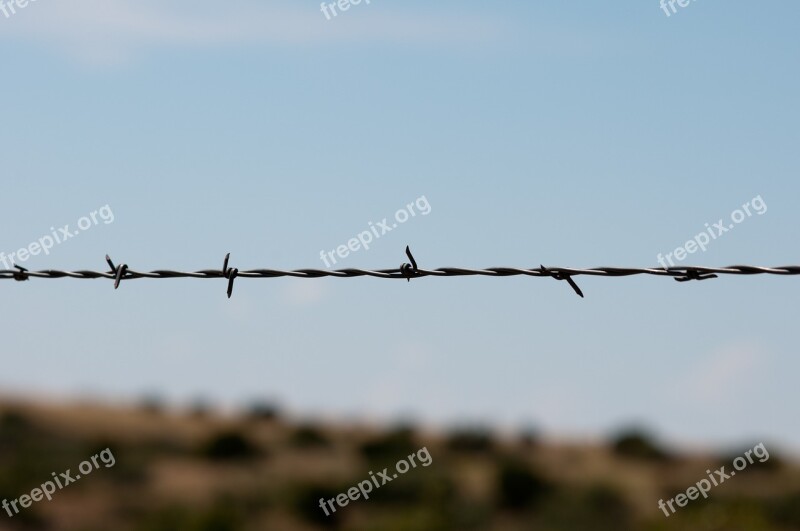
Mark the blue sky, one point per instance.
(580, 134)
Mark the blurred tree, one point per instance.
(637, 444)
(229, 446)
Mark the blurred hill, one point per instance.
(197, 470)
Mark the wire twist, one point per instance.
(404, 272)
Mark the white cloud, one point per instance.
(111, 31)
(304, 292)
(719, 378)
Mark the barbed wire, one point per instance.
(406, 271)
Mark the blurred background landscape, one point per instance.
(195, 469)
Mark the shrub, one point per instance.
(395, 445)
(229, 446)
(636, 444)
(218, 517)
(200, 408)
(263, 411)
(472, 440)
(152, 404)
(786, 510)
(773, 464)
(306, 504)
(309, 436)
(529, 438)
(15, 431)
(519, 487)
(597, 507)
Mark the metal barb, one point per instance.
(21, 274)
(409, 270)
(229, 273)
(119, 271)
(562, 276)
(694, 274)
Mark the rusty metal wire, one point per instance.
(405, 271)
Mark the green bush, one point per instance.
(519, 487)
(229, 446)
(397, 444)
(219, 517)
(306, 501)
(636, 444)
(786, 510)
(599, 508)
(263, 411)
(470, 440)
(309, 436)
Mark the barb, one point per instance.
(405, 271)
(21, 274)
(117, 271)
(409, 270)
(230, 273)
(563, 276)
(693, 274)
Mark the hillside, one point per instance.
(196, 470)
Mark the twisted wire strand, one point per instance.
(406, 271)
(402, 273)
